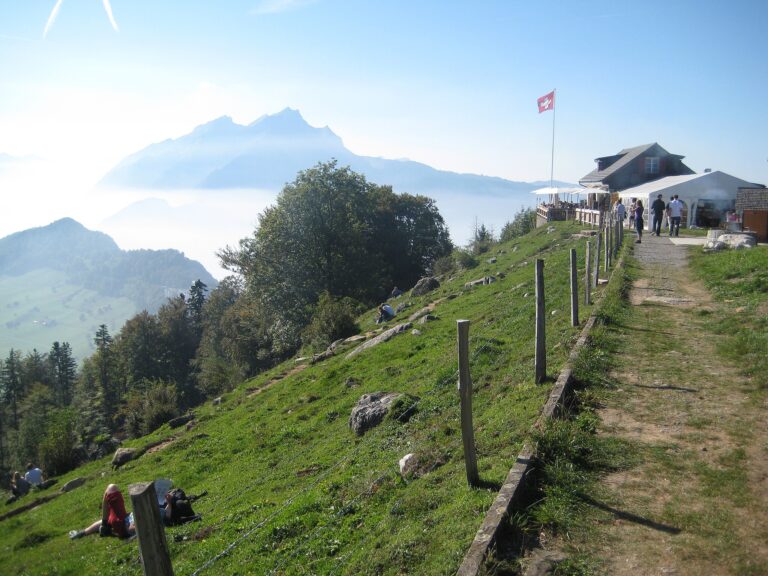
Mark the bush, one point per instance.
(523, 222)
(144, 411)
(57, 450)
(443, 265)
(465, 259)
(333, 318)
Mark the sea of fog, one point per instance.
(196, 222)
(199, 223)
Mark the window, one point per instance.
(652, 165)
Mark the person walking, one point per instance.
(658, 208)
(675, 213)
(621, 212)
(639, 223)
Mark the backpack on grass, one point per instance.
(178, 508)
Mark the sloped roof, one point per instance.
(625, 157)
(717, 184)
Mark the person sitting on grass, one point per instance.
(385, 313)
(19, 487)
(115, 521)
(34, 475)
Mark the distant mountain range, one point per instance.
(270, 152)
(61, 281)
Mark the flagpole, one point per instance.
(552, 157)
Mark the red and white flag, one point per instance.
(546, 102)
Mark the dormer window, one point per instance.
(651, 165)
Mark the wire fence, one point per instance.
(485, 333)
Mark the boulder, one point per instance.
(123, 455)
(425, 285)
(72, 484)
(408, 465)
(383, 337)
(180, 420)
(491, 260)
(427, 318)
(480, 282)
(370, 410)
(416, 332)
(738, 241)
(354, 339)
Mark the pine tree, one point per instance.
(105, 369)
(64, 370)
(12, 384)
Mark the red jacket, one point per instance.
(117, 513)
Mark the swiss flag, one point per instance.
(546, 102)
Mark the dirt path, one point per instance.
(697, 502)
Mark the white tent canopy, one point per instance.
(691, 189)
(557, 190)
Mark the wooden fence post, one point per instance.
(541, 348)
(588, 276)
(607, 245)
(465, 393)
(153, 546)
(597, 256)
(574, 290)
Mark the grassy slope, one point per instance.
(296, 492)
(71, 313)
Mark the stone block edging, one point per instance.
(512, 489)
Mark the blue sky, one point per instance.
(449, 83)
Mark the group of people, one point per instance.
(21, 485)
(175, 508)
(673, 211)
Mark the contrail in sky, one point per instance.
(108, 8)
(55, 13)
(52, 17)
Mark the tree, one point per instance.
(12, 384)
(139, 348)
(523, 222)
(64, 372)
(179, 343)
(220, 363)
(195, 303)
(35, 369)
(104, 361)
(482, 239)
(332, 231)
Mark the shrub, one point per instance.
(57, 450)
(333, 318)
(523, 222)
(465, 259)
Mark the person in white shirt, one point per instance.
(34, 475)
(621, 212)
(675, 213)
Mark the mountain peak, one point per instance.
(287, 120)
(223, 125)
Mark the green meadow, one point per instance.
(55, 310)
(292, 490)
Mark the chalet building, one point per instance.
(633, 167)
